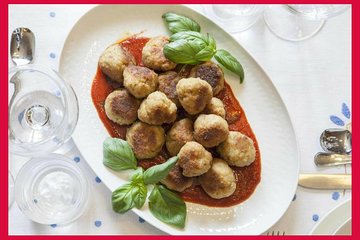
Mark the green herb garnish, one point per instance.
(118, 155)
(230, 62)
(189, 46)
(164, 204)
(156, 173)
(167, 206)
(177, 23)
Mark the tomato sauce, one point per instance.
(247, 178)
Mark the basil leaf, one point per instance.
(230, 62)
(139, 194)
(140, 190)
(178, 23)
(189, 36)
(182, 51)
(129, 195)
(122, 198)
(158, 172)
(137, 175)
(205, 54)
(167, 206)
(211, 41)
(118, 154)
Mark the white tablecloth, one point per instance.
(313, 77)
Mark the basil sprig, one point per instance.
(226, 59)
(129, 195)
(164, 204)
(118, 155)
(191, 47)
(177, 23)
(167, 206)
(156, 173)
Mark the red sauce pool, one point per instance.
(247, 178)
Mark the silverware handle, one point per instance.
(331, 159)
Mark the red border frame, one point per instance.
(4, 117)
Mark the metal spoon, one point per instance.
(22, 46)
(331, 159)
(336, 140)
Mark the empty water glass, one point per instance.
(297, 22)
(43, 110)
(234, 17)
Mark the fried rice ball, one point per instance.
(237, 150)
(157, 109)
(179, 134)
(145, 140)
(194, 94)
(194, 159)
(114, 60)
(140, 81)
(215, 106)
(153, 54)
(210, 130)
(121, 107)
(167, 85)
(211, 73)
(176, 181)
(219, 181)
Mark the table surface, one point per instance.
(313, 77)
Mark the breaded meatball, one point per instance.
(238, 149)
(167, 85)
(145, 140)
(194, 94)
(211, 73)
(121, 107)
(153, 54)
(219, 181)
(140, 81)
(210, 130)
(113, 61)
(215, 106)
(176, 181)
(179, 134)
(157, 109)
(194, 159)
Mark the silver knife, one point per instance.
(325, 181)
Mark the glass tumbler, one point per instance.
(234, 17)
(51, 190)
(43, 110)
(297, 22)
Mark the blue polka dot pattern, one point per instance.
(77, 159)
(53, 225)
(52, 14)
(345, 111)
(97, 223)
(52, 55)
(335, 195)
(97, 179)
(337, 120)
(294, 198)
(315, 217)
(141, 220)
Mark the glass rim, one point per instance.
(67, 93)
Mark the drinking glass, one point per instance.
(297, 22)
(52, 189)
(234, 17)
(43, 110)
